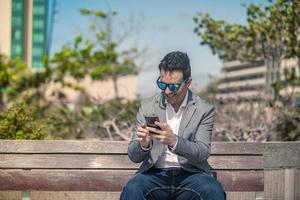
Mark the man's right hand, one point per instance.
(143, 136)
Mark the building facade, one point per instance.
(241, 80)
(246, 80)
(25, 30)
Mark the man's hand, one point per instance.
(143, 136)
(165, 135)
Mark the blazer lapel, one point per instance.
(161, 108)
(160, 111)
(188, 113)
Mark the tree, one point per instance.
(270, 27)
(223, 38)
(9, 74)
(97, 56)
(293, 31)
(271, 34)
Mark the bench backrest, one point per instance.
(65, 165)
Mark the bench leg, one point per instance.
(290, 187)
(25, 195)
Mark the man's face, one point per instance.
(177, 78)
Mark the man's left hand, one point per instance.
(165, 135)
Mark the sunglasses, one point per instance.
(173, 87)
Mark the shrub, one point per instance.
(20, 122)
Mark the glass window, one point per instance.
(18, 34)
(39, 10)
(38, 45)
(18, 49)
(17, 20)
(38, 38)
(38, 23)
(17, 5)
(38, 53)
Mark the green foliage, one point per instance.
(9, 75)
(20, 122)
(9, 71)
(272, 33)
(223, 38)
(291, 77)
(96, 57)
(288, 127)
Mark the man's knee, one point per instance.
(132, 190)
(132, 187)
(136, 184)
(139, 184)
(207, 186)
(213, 189)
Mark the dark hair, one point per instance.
(176, 60)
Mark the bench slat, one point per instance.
(63, 146)
(94, 161)
(236, 162)
(111, 147)
(107, 180)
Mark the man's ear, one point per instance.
(189, 82)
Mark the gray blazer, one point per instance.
(194, 137)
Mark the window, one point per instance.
(38, 38)
(38, 23)
(38, 10)
(17, 5)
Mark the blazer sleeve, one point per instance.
(199, 149)
(135, 152)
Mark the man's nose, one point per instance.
(168, 91)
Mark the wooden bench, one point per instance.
(70, 165)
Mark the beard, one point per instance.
(172, 98)
(175, 98)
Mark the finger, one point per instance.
(144, 130)
(163, 126)
(143, 125)
(155, 130)
(156, 136)
(141, 134)
(160, 138)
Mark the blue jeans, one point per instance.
(173, 183)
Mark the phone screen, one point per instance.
(151, 123)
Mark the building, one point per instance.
(26, 29)
(241, 79)
(252, 80)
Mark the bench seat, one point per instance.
(73, 165)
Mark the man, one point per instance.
(174, 156)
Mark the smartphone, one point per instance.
(150, 121)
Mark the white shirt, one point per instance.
(169, 159)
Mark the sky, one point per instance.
(165, 26)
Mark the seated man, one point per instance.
(175, 153)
